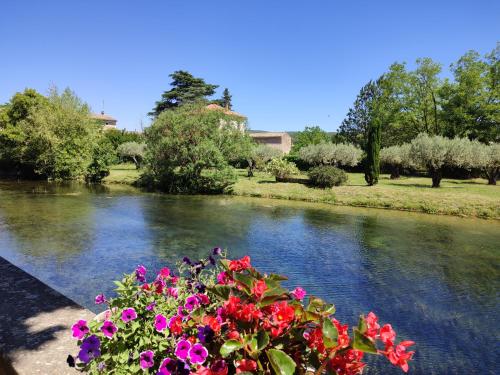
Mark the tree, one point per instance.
(117, 137)
(103, 156)
(226, 99)
(132, 151)
(259, 155)
(327, 153)
(396, 158)
(311, 135)
(189, 150)
(487, 158)
(185, 89)
(281, 168)
(372, 161)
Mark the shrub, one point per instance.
(327, 153)
(327, 176)
(102, 157)
(487, 158)
(281, 169)
(117, 137)
(226, 319)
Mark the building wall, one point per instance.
(282, 142)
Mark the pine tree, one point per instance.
(226, 99)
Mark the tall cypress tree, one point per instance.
(226, 99)
(372, 162)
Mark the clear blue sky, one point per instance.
(288, 64)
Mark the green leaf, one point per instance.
(363, 343)
(281, 362)
(276, 277)
(230, 346)
(262, 339)
(362, 326)
(246, 280)
(330, 333)
(221, 291)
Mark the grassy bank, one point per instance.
(455, 197)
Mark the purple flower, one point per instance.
(100, 299)
(80, 329)
(90, 349)
(219, 366)
(182, 349)
(147, 359)
(298, 293)
(181, 312)
(108, 328)
(151, 306)
(205, 334)
(140, 273)
(191, 303)
(212, 260)
(217, 251)
(167, 367)
(198, 354)
(101, 366)
(186, 260)
(160, 322)
(129, 314)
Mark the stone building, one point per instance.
(279, 140)
(107, 121)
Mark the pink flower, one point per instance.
(204, 300)
(160, 322)
(373, 326)
(182, 349)
(298, 293)
(164, 272)
(198, 354)
(108, 329)
(100, 299)
(174, 292)
(147, 359)
(151, 306)
(80, 329)
(129, 314)
(399, 356)
(191, 303)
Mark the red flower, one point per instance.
(387, 335)
(281, 315)
(246, 365)
(314, 340)
(347, 363)
(240, 264)
(259, 289)
(343, 339)
(373, 326)
(398, 356)
(212, 322)
(233, 335)
(175, 325)
(240, 311)
(204, 300)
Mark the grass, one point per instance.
(472, 198)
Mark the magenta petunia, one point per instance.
(80, 329)
(100, 299)
(191, 303)
(174, 292)
(168, 366)
(151, 306)
(298, 293)
(140, 273)
(146, 359)
(108, 328)
(198, 354)
(182, 349)
(129, 314)
(160, 322)
(164, 272)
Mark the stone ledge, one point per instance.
(35, 324)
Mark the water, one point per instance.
(436, 279)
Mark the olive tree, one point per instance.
(396, 158)
(327, 153)
(487, 159)
(259, 155)
(132, 151)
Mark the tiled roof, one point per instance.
(102, 116)
(217, 107)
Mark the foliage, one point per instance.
(103, 156)
(186, 89)
(327, 176)
(117, 137)
(281, 168)
(327, 153)
(225, 101)
(57, 139)
(132, 151)
(487, 158)
(311, 135)
(418, 101)
(372, 161)
(260, 154)
(396, 158)
(189, 141)
(231, 319)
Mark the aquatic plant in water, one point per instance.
(225, 317)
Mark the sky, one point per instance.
(288, 64)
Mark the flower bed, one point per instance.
(224, 317)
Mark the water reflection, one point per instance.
(435, 278)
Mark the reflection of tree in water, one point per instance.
(47, 219)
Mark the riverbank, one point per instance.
(470, 198)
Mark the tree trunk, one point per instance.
(436, 178)
(492, 179)
(395, 172)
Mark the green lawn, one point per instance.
(455, 197)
